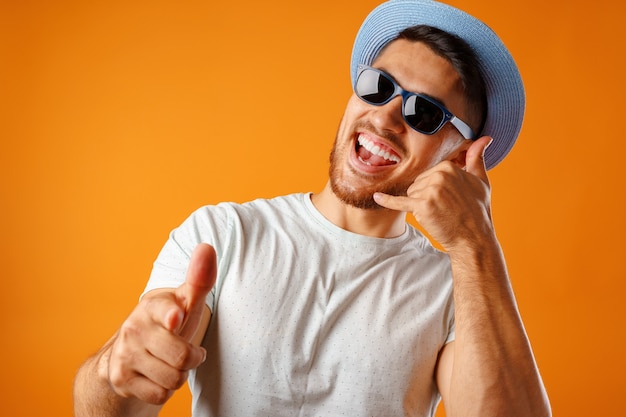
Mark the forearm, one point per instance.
(94, 397)
(494, 371)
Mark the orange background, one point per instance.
(118, 118)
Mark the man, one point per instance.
(329, 303)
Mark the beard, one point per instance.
(359, 196)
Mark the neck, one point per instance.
(381, 222)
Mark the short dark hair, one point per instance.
(463, 59)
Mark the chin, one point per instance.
(355, 189)
(360, 197)
(355, 199)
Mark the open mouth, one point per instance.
(374, 154)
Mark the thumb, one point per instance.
(200, 279)
(201, 274)
(475, 157)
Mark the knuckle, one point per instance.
(438, 192)
(116, 378)
(445, 174)
(150, 305)
(119, 378)
(122, 364)
(171, 379)
(182, 357)
(431, 205)
(158, 396)
(151, 302)
(180, 379)
(129, 329)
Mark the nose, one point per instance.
(389, 116)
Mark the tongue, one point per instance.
(370, 158)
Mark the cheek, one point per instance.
(447, 149)
(353, 107)
(351, 114)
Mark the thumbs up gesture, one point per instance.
(452, 204)
(153, 351)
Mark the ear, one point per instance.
(459, 156)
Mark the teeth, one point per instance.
(375, 149)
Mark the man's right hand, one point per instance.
(153, 351)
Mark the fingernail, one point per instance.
(489, 144)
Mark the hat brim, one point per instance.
(504, 87)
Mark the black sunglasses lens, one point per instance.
(422, 114)
(373, 87)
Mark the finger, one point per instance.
(142, 388)
(175, 351)
(125, 375)
(398, 203)
(126, 369)
(475, 158)
(158, 307)
(158, 341)
(164, 375)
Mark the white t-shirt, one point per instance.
(310, 319)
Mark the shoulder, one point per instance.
(290, 202)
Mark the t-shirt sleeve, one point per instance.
(203, 226)
(451, 333)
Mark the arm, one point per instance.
(489, 369)
(148, 359)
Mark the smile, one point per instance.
(373, 154)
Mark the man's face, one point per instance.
(355, 172)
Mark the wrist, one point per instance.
(474, 245)
(479, 257)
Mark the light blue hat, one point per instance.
(505, 89)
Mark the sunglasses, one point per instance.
(421, 112)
